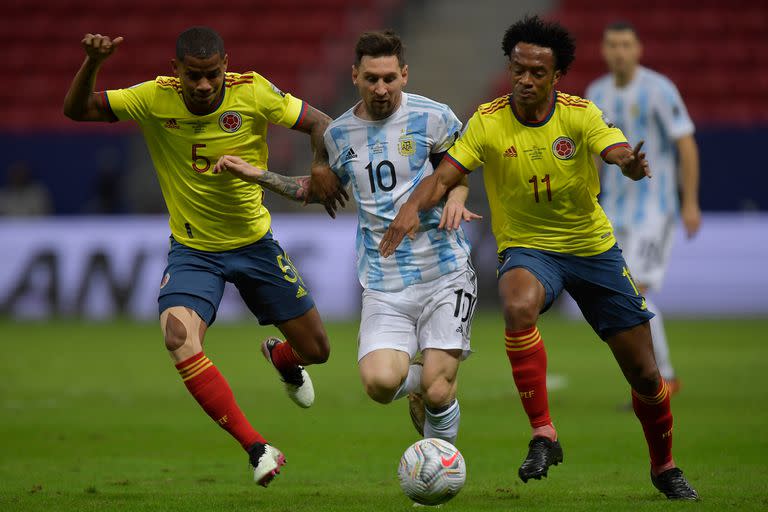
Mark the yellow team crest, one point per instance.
(406, 145)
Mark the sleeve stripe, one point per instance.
(105, 99)
(612, 147)
(448, 158)
(301, 115)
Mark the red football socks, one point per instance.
(284, 358)
(526, 354)
(212, 392)
(655, 416)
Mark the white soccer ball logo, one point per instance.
(432, 471)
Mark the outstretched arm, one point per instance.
(425, 196)
(81, 103)
(324, 185)
(632, 162)
(295, 188)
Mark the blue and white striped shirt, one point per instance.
(385, 160)
(649, 108)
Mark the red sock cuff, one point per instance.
(189, 360)
(661, 394)
(522, 343)
(517, 334)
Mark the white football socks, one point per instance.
(412, 382)
(443, 424)
(660, 347)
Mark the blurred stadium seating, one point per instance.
(300, 45)
(715, 52)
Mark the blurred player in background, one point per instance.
(536, 146)
(647, 106)
(424, 298)
(220, 228)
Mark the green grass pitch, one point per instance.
(93, 417)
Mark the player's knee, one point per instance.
(175, 333)
(520, 313)
(381, 386)
(644, 377)
(647, 381)
(438, 393)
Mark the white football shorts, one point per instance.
(436, 314)
(646, 249)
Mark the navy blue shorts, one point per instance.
(267, 281)
(601, 285)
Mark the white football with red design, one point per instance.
(432, 471)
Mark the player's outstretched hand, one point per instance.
(453, 213)
(406, 223)
(99, 47)
(691, 216)
(634, 165)
(325, 188)
(238, 167)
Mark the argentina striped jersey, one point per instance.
(649, 108)
(384, 161)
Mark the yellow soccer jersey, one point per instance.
(540, 178)
(210, 212)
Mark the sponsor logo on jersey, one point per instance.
(172, 124)
(406, 145)
(511, 152)
(230, 121)
(564, 148)
(350, 154)
(166, 278)
(301, 293)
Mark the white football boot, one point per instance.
(266, 461)
(297, 383)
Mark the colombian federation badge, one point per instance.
(230, 121)
(563, 148)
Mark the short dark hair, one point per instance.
(552, 35)
(380, 44)
(620, 26)
(200, 42)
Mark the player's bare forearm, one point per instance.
(434, 187)
(81, 103)
(690, 211)
(314, 124)
(292, 187)
(689, 169)
(324, 186)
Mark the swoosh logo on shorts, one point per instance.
(448, 462)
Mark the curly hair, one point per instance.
(552, 35)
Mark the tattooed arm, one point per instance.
(295, 188)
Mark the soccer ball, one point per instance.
(432, 471)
